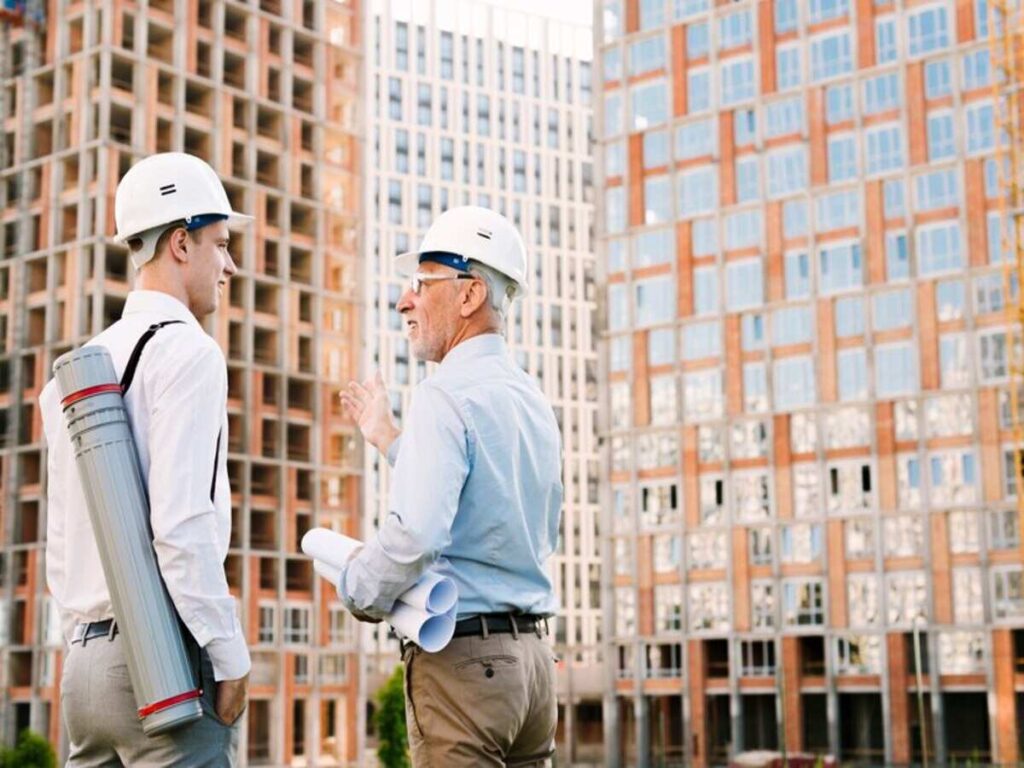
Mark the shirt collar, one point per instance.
(159, 303)
(484, 345)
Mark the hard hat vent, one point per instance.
(485, 233)
(168, 189)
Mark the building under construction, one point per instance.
(472, 103)
(267, 92)
(811, 366)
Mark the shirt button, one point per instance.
(489, 672)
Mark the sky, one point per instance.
(578, 11)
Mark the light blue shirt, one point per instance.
(476, 491)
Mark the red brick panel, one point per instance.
(641, 381)
(866, 33)
(636, 180)
(774, 253)
(827, 352)
(783, 466)
(941, 573)
(991, 450)
(645, 584)
(885, 438)
(965, 31)
(819, 146)
(899, 714)
(794, 734)
(684, 269)
(766, 40)
(632, 20)
(1006, 747)
(740, 580)
(733, 366)
(679, 70)
(917, 134)
(691, 477)
(874, 203)
(977, 222)
(928, 337)
(727, 154)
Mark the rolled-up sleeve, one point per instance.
(430, 470)
(186, 437)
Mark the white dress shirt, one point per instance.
(177, 406)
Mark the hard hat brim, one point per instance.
(234, 220)
(407, 263)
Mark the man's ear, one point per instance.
(179, 242)
(473, 297)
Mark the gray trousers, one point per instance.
(103, 724)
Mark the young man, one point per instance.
(476, 493)
(173, 212)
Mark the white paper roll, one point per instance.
(433, 593)
(431, 633)
(328, 572)
(329, 547)
(424, 613)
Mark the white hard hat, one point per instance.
(472, 233)
(166, 188)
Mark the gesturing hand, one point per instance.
(369, 407)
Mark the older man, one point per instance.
(476, 493)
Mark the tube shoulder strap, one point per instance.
(133, 361)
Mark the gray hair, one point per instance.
(500, 289)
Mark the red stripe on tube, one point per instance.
(99, 389)
(157, 706)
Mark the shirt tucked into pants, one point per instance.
(481, 702)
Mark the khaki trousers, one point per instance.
(103, 724)
(481, 702)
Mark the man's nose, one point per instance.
(406, 301)
(230, 268)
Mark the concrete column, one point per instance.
(610, 726)
(938, 722)
(641, 709)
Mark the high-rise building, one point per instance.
(474, 103)
(809, 422)
(267, 92)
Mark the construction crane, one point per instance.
(1006, 42)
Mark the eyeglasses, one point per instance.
(419, 278)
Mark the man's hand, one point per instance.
(365, 617)
(231, 697)
(369, 407)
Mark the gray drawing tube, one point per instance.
(108, 466)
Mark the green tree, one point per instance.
(389, 719)
(32, 751)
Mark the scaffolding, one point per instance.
(1006, 40)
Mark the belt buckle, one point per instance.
(84, 639)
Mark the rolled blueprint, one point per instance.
(108, 467)
(423, 614)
